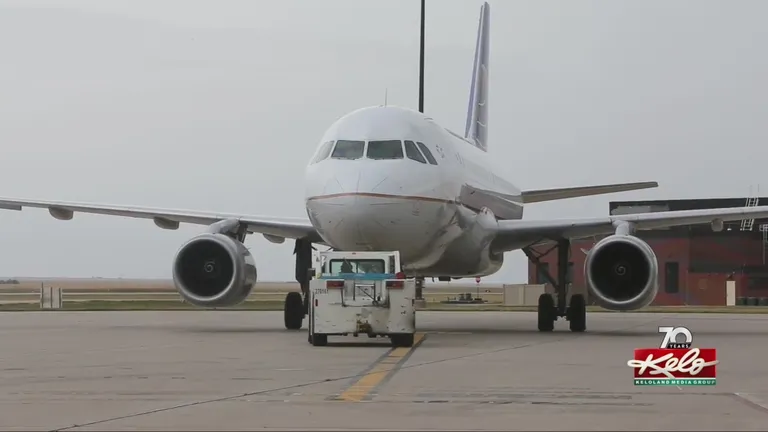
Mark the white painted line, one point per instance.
(756, 402)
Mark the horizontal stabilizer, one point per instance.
(534, 196)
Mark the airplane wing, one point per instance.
(540, 195)
(514, 234)
(293, 228)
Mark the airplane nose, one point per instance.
(355, 212)
(359, 222)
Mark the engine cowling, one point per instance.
(214, 270)
(622, 273)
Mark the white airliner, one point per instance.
(391, 178)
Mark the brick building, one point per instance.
(694, 261)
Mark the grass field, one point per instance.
(115, 296)
(166, 286)
(118, 290)
(136, 294)
(136, 305)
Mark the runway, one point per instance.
(200, 370)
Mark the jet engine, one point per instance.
(622, 273)
(214, 270)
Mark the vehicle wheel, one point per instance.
(293, 312)
(577, 312)
(319, 339)
(402, 340)
(546, 313)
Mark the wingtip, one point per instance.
(646, 185)
(16, 207)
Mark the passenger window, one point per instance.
(413, 152)
(390, 149)
(325, 150)
(427, 153)
(346, 149)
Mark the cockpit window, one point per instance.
(427, 153)
(390, 149)
(324, 151)
(346, 149)
(413, 152)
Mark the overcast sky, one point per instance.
(218, 105)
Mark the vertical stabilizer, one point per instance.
(477, 112)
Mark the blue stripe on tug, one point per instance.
(361, 276)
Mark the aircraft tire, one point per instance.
(402, 340)
(577, 313)
(293, 312)
(546, 313)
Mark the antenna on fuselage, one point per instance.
(421, 59)
(385, 96)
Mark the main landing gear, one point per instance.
(296, 304)
(551, 308)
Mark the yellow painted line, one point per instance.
(385, 367)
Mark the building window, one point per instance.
(671, 278)
(757, 283)
(542, 270)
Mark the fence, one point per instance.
(53, 297)
(522, 294)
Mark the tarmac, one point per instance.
(240, 370)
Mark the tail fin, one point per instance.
(477, 112)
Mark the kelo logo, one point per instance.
(675, 363)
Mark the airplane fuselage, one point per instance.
(428, 210)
